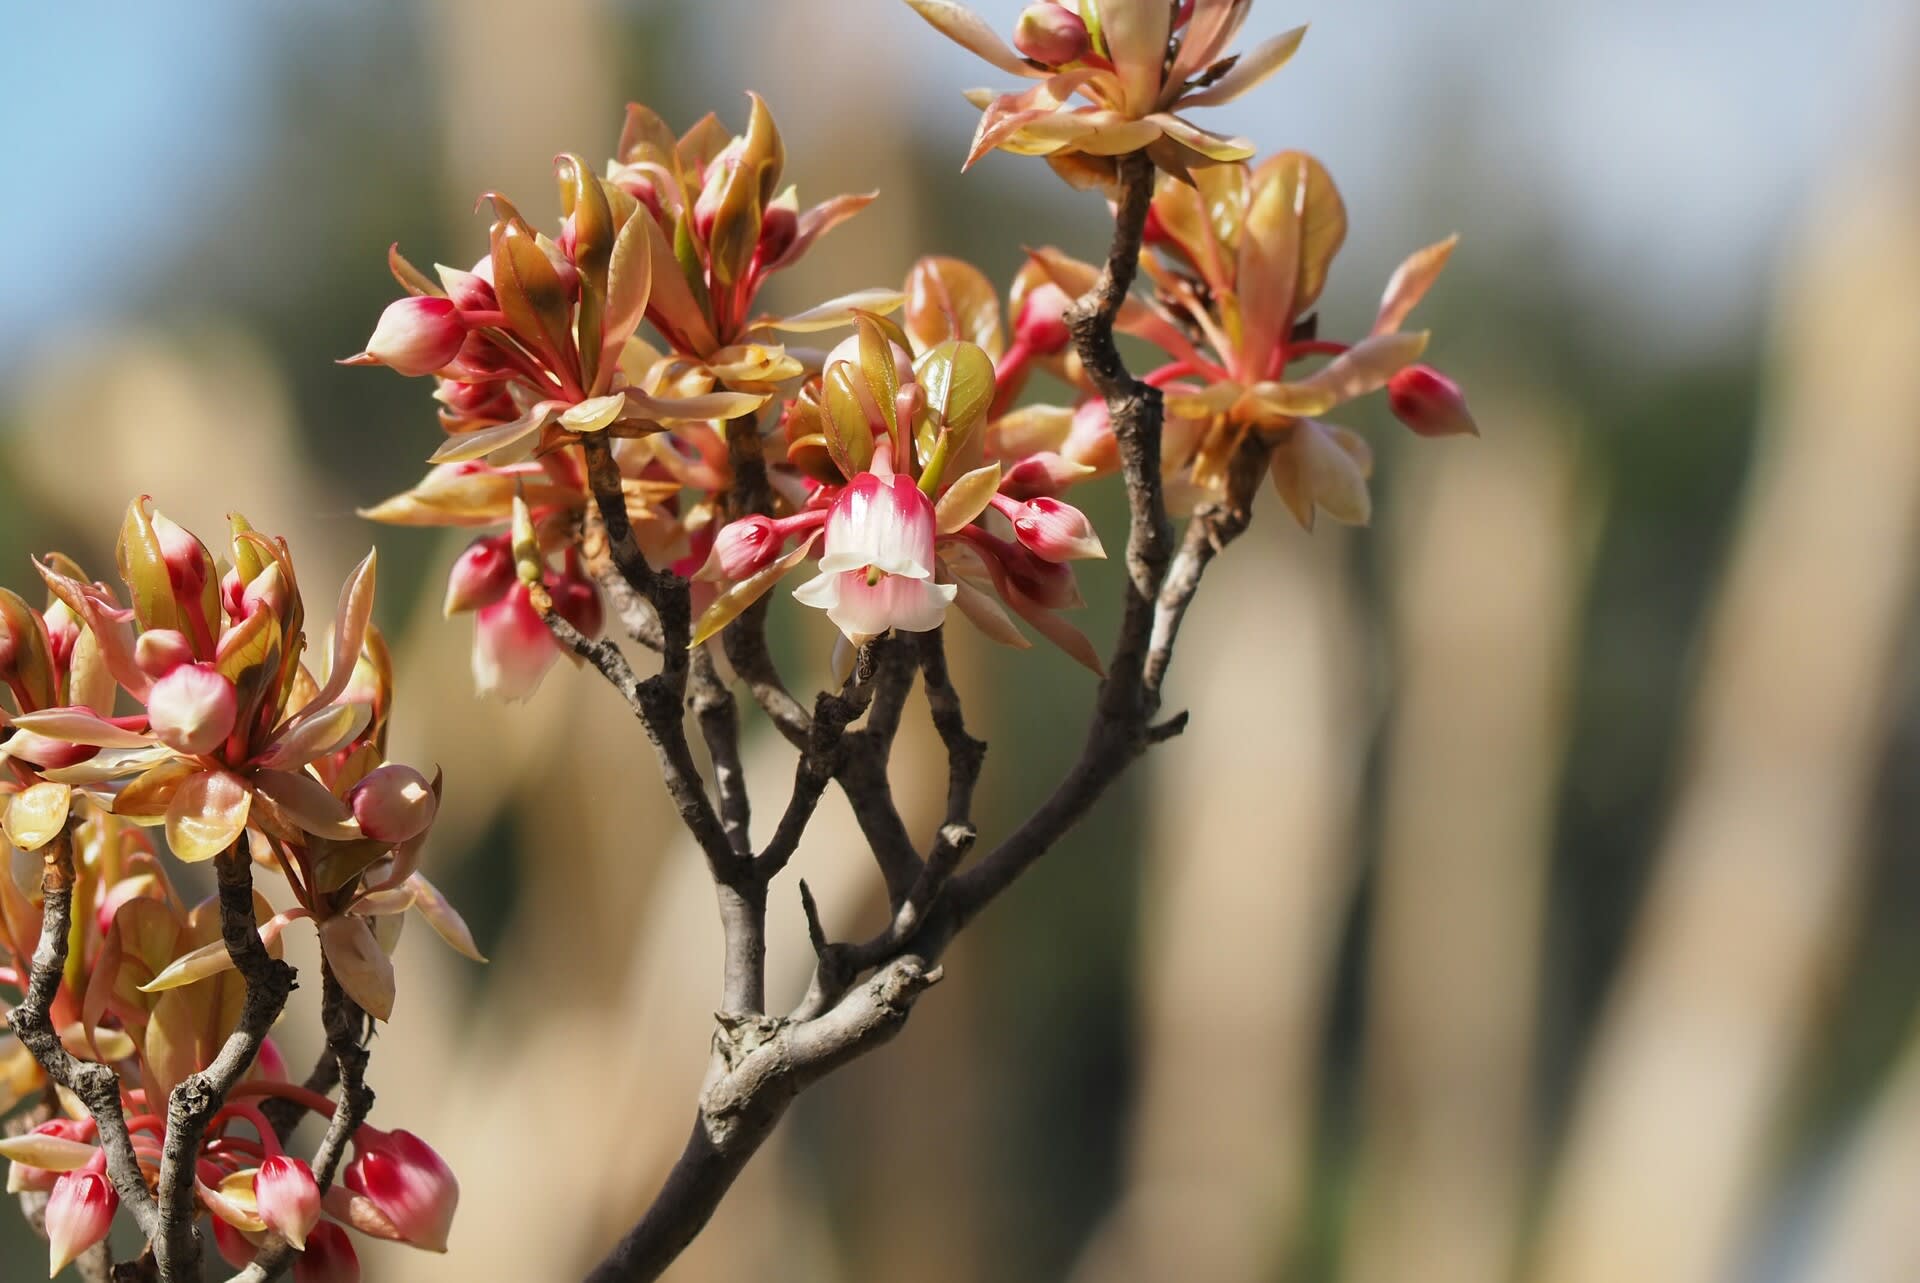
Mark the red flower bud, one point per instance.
(407, 1183)
(1055, 531)
(1050, 35)
(742, 548)
(480, 575)
(1430, 403)
(414, 336)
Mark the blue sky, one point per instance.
(1669, 143)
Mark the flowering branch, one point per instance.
(97, 1086)
(912, 475)
(199, 1096)
(345, 1025)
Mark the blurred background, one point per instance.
(1532, 897)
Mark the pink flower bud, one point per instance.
(48, 754)
(416, 335)
(1042, 326)
(161, 650)
(192, 709)
(79, 1213)
(480, 576)
(329, 1257)
(287, 1198)
(1430, 403)
(1049, 583)
(1055, 531)
(408, 1183)
(393, 803)
(1050, 35)
(743, 548)
(512, 649)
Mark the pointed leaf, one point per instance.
(350, 618)
(358, 962)
(728, 605)
(1410, 282)
(1253, 66)
(443, 917)
(966, 499)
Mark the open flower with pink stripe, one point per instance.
(891, 489)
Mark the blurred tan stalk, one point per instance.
(1758, 876)
(1249, 871)
(1489, 573)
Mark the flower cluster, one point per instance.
(1135, 63)
(536, 347)
(190, 710)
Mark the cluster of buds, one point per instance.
(536, 347)
(1133, 66)
(890, 481)
(1238, 257)
(395, 1188)
(189, 711)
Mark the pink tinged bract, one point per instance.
(329, 1257)
(415, 336)
(393, 803)
(192, 708)
(287, 1198)
(79, 1213)
(408, 1183)
(512, 649)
